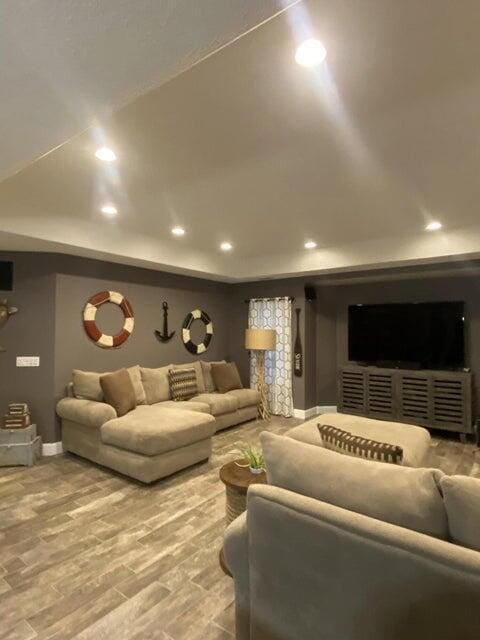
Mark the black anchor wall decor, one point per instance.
(164, 336)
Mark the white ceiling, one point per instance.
(67, 63)
(248, 147)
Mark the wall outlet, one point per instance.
(28, 361)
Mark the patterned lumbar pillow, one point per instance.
(183, 383)
(350, 445)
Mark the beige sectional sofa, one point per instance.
(160, 436)
(343, 548)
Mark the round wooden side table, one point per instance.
(237, 480)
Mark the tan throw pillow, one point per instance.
(86, 385)
(344, 442)
(136, 377)
(155, 384)
(119, 391)
(207, 375)
(183, 384)
(226, 377)
(404, 496)
(461, 495)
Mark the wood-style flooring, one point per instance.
(87, 554)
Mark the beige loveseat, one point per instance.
(160, 436)
(339, 548)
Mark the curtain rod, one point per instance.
(291, 298)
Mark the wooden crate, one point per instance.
(20, 446)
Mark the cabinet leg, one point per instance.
(463, 438)
(476, 433)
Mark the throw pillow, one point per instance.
(226, 377)
(183, 384)
(344, 442)
(136, 377)
(155, 384)
(207, 375)
(404, 496)
(197, 365)
(86, 385)
(461, 495)
(119, 391)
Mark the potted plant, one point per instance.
(253, 456)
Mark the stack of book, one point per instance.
(18, 416)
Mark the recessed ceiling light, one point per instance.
(105, 154)
(433, 226)
(310, 53)
(310, 244)
(178, 231)
(109, 210)
(226, 246)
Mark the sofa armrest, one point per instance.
(235, 546)
(87, 412)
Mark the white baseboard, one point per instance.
(305, 414)
(52, 448)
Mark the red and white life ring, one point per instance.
(90, 311)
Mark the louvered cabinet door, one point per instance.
(452, 403)
(414, 398)
(352, 391)
(380, 395)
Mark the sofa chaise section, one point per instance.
(147, 444)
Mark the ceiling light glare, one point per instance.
(310, 53)
(310, 244)
(433, 226)
(105, 154)
(109, 209)
(226, 246)
(178, 231)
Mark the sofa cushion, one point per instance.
(86, 385)
(358, 446)
(415, 441)
(225, 376)
(154, 430)
(410, 498)
(245, 397)
(155, 383)
(190, 405)
(461, 495)
(219, 403)
(197, 365)
(119, 392)
(183, 384)
(86, 412)
(207, 375)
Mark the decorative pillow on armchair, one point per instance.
(344, 442)
(183, 383)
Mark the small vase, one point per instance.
(255, 472)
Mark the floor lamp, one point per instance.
(261, 340)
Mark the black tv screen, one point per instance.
(6, 275)
(415, 335)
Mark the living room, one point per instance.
(218, 292)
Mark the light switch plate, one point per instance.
(28, 361)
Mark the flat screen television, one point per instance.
(6, 275)
(414, 335)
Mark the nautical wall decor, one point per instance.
(90, 311)
(5, 313)
(196, 314)
(297, 351)
(164, 336)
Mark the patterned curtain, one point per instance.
(276, 313)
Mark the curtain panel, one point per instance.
(274, 313)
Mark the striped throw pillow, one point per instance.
(358, 447)
(183, 383)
